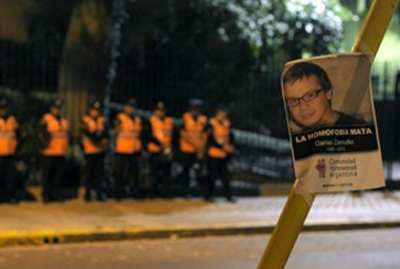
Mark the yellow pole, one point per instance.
(297, 207)
(374, 28)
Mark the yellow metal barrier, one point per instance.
(297, 207)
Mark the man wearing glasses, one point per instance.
(308, 93)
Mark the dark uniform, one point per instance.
(160, 149)
(219, 149)
(193, 139)
(94, 141)
(8, 146)
(55, 142)
(128, 150)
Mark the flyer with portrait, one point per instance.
(332, 123)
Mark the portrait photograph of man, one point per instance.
(311, 93)
(332, 125)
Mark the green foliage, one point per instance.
(232, 51)
(189, 41)
(294, 26)
(264, 28)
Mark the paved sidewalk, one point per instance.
(74, 221)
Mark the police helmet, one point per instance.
(160, 106)
(131, 102)
(195, 103)
(57, 103)
(95, 105)
(221, 108)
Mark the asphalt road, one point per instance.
(365, 249)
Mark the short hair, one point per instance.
(305, 70)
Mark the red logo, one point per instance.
(321, 168)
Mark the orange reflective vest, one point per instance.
(128, 137)
(58, 131)
(162, 131)
(220, 133)
(194, 130)
(93, 125)
(8, 140)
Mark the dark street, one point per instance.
(320, 250)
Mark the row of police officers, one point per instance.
(205, 146)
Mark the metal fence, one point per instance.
(29, 74)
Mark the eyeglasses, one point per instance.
(308, 97)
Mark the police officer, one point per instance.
(55, 141)
(128, 148)
(94, 142)
(193, 139)
(160, 149)
(8, 146)
(220, 148)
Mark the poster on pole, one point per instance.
(332, 123)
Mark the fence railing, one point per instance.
(29, 75)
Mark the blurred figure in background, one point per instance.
(160, 148)
(128, 149)
(193, 140)
(8, 147)
(54, 141)
(220, 147)
(94, 137)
